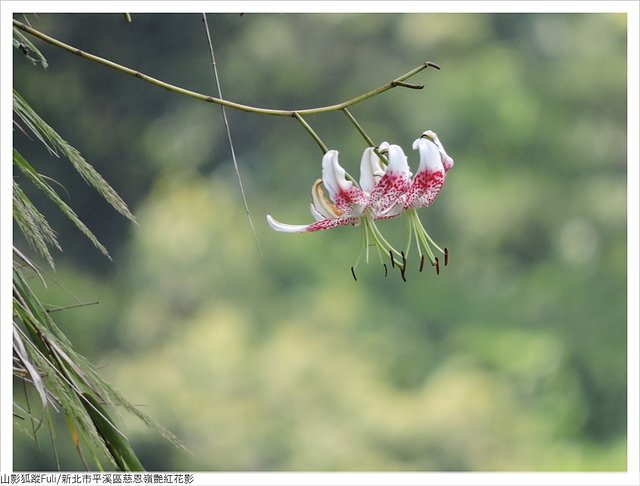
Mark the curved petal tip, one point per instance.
(286, 228)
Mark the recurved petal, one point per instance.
(430, 176)
(321, 204)
(286, 228)
(393, 211)
(325, 224)
(447, 161)
(370, 170)
(314, 212)
(322, 224)
(333, 175)
(394, 183)
(341, 190)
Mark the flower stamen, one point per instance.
(424, 242)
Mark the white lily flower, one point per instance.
(429, 179)
(425, 187)
(371, 170)
(384, 192)
(346, 204)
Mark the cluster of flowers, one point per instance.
(386, 190)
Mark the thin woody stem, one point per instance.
(313, 134)
(210, 99)
(318, 140)
(358, 127)
(355, 123)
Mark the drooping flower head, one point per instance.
(385, 190)
(345, 206)
(429, 179)
(425, 187)
(379, 191)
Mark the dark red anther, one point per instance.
(446, 257)
(404, 260)
(353, 272)
(421, 262)
(402, 270)
(393, 264)
(385, 269)
(437, 266)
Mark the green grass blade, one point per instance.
(33, 225)
(21, 353)
(56, 144)
(48, 191)
(117, 444)
(52, 342)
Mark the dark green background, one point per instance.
(514, 358)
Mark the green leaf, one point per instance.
(48, 191)
(20, 353)
(57, 145)
(33, 224)
(66, 373)
(115, 441)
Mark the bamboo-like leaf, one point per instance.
(44, 357)
(117, 444)
(65, 395)
(33, 224)
(52, 435)
(31, 52)
(58, 145)
(44, 332)
(33, 175)
(29, 264)
(36, 379)
(75, 437)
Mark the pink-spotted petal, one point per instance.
(351, 201)
(430, 176)
(346, 197)
(325, 224)
(394, 183)
(370, 170)
(393, 211)
(322, 224)
(447, 161)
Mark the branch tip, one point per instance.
(406, 85)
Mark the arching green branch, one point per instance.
(364, 135)
(313, 134)
(210, 99)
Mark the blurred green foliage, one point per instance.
(514, 358)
